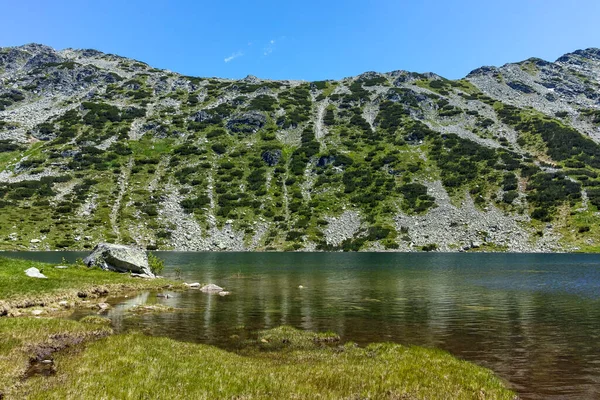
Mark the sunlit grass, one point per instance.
(138, 367)
(19, 290)
(21, 339)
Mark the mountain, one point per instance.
(98, 147)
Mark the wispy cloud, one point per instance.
(269, 48)
(233, 56)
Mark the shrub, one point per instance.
(219, 148)
(191, 204)
(156, 264)
(430, 247)
(510, 196)
(263, 103)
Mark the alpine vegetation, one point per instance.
(97, 147)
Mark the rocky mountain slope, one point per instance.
(96, 147)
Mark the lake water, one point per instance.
(534, 319)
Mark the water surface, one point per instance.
(534, 319)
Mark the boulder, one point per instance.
(35, 273)
(248, 122)
(119, 258)
(271, 157)
(325, 161)
(102, 306)
(201, 116)
(521, 87)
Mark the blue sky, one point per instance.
(308, 40)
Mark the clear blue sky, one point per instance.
(308, 39)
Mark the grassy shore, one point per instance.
(87, 361)
(73, 285)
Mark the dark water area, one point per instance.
(534, 319)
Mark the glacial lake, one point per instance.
(534, 319)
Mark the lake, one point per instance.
(532, 318)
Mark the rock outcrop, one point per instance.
(248, 122)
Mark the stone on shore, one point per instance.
(35, 273)
(120, 258)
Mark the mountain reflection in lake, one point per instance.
(533, 319)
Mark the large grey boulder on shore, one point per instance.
(120, 258)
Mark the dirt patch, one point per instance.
(41, 361)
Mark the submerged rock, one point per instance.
(211, 288)
(102, 306)
(120, 258)
(35, 273)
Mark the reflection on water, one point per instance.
(533, 319)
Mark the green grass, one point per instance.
(23, 339)
(7, 158)
(135, 366)
(18, 290)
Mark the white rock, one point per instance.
(35, 273)
(224, 293)
(37, 312)
(300, 287)
(61, 267)
(193, 285)
(34, 241)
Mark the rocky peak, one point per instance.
(485, 70)
(591, 53)
(251, 79)
(36, 48)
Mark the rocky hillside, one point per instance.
(96, 147)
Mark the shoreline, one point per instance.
(47, 356)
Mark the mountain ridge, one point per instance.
(108, 148)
